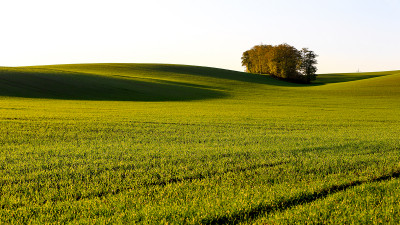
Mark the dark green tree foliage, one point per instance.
(307, 67)
(282, 61)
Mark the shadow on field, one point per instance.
(255, 78)
(340, 78)
(83, 86)
(304, 198)
(219, 74)
(167, 70)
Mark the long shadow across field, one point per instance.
(82, 86)
(217, 73)
(340, 78)
(166, 70)
(305, 198)
(161, 182)
(80, 82)
(256, 78)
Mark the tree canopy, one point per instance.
(281, 61)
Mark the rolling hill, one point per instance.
(151, 82)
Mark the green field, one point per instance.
(158, 144)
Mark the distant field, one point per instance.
(157, 144)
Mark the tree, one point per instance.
(284, 61)
(256, 59)
(307, 66)
(281, 61)
(246, 61)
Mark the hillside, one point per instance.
(145, 82)
(158, 144)
(137, 82)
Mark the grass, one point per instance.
(156, 144)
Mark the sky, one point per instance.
(348, 35)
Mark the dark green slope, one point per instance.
(63, 84)
(145, 82)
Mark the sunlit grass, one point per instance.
(207, 146)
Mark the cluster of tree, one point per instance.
(281, 61)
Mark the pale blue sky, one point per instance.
(346, 34)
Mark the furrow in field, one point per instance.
(286, 204)
(212, 174)
(161, 183)
(174, 180)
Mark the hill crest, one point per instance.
(151, 82)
